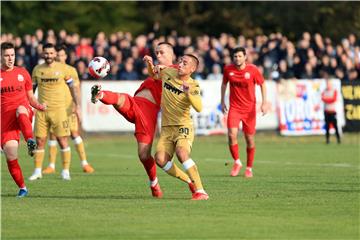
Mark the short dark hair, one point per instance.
(7, 45)
(60, 47)
(193, 57)
(166, 43)
(48, 45)
(239, 49)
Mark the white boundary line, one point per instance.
(220, 160)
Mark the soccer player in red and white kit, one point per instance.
(242, 78)
(16, 114)
(142, 110)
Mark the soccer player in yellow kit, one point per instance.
(180, 93)
(51, 78)
(73, 120)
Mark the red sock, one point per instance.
(15, 171)
(234, 150)
(150, 167)
(109, 98)
(250, 156)
(25, 126)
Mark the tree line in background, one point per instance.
(333, 19)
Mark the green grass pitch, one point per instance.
(302, 189)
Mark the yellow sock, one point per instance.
(66, 157)
(193, 172)
(39, 158)
(80, 148)
(52, 151)
(173, 170)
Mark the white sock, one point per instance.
(153, 183)
(37, 171)
(84, 163)
(52, 142)
(238, 162)
(52, 165)
(77, 140)
(201, 191)
(24, 188)
(249, 168)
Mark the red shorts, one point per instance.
(143, 114)
(248, 120)
(10, 129)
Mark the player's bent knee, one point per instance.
(40, 142)
(10, 149)
(143, 155)
(161, 158)
(21, 110)
(121, 100)
(182, 154)
(74, 134)
(250, 141)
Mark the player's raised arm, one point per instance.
(194, 96)
(150, 65)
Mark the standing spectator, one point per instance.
(329, 97)
(82, 70)
(114, 73)
(216, 73)
(309, 72)
(84, 50)
(128, 73)
(284, 71)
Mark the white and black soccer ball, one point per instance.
(99, 67)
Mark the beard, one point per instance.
(49, 60)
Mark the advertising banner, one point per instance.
(351, 94)
(103, 118)
(300, 108)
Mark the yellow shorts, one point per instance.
(172, 137)
(73, 123)
(56, 120)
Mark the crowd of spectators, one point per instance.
(310, 56)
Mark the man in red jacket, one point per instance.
(329, 97)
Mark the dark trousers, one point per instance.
(331, 118)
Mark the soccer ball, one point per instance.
(99, 67)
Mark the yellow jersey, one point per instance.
(175, 103)
(71, 71)
(51, 83)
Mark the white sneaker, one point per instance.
(65, 174)
(35, 176)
